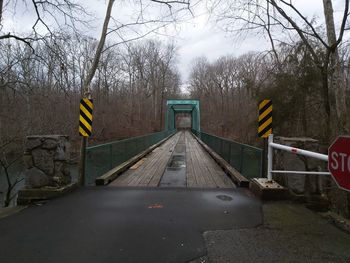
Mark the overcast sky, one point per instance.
(195, 36)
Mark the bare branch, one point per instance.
(343, 24)
(26, 40)
(305, 20)
(298, 30)
(100, 46)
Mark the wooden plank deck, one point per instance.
(151, 170)
(201, 170)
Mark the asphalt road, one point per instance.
(102, 224)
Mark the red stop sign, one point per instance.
(339, 161)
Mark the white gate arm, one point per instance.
(320, 156)
(271, 145)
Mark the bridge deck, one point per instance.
(201, 170)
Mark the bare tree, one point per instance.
(49, 15)
(279, 16)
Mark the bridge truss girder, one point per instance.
(182, 106)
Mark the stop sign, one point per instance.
(339, 161)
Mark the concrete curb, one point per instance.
(268, 190)
(236, 176)
(28, 196)
(111, 175)
(7, 211)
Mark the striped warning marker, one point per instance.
(85, 118)
(265, 118)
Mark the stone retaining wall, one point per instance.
(46, 160)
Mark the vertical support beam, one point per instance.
(174, 123)
(264, 158)
(241, 159)
(198, 117)
(166, 124)
(82, 161)
(193, 121)
(269, 158)
(111, 157)
(172, 119)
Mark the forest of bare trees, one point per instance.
(47, 68)
(231, 87)
(41, 90)
(314, 42)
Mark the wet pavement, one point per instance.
(175, 172)
(101, 224)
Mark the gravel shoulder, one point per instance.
(290, 233)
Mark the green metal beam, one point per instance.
(183, 110)
(172, 111)
(182, 102)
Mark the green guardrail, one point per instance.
(244, 158)
(103, 157)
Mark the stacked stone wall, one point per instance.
(46, 160)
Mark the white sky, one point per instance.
(198, 36)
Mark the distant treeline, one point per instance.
(231, 87)
(41, 87)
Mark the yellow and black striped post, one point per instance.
(85, 129)
(265, 128)
(265, 118)
(85, 118)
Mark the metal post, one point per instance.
(241, 159)
(110, 156)
(198, 116)
(269, 157)
(166, 125)
(82, 161)
(84, 142)
(263, 159)
(230, 153)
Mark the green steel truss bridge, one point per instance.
(174, 157)
(182, 106)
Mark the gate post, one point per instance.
(269, 157)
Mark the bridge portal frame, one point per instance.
(175, 106)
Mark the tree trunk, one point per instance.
(336, 87)
(326, 103)
(1, 9)
(99, 49)
(87, 82)
(9, 187)
(161, 111)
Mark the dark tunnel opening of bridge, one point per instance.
(182, 114)
(183, 121)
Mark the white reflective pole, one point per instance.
(299, 172)
(269, 158)
(323, 157)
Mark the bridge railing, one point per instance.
(102, 158)
(244, 158)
